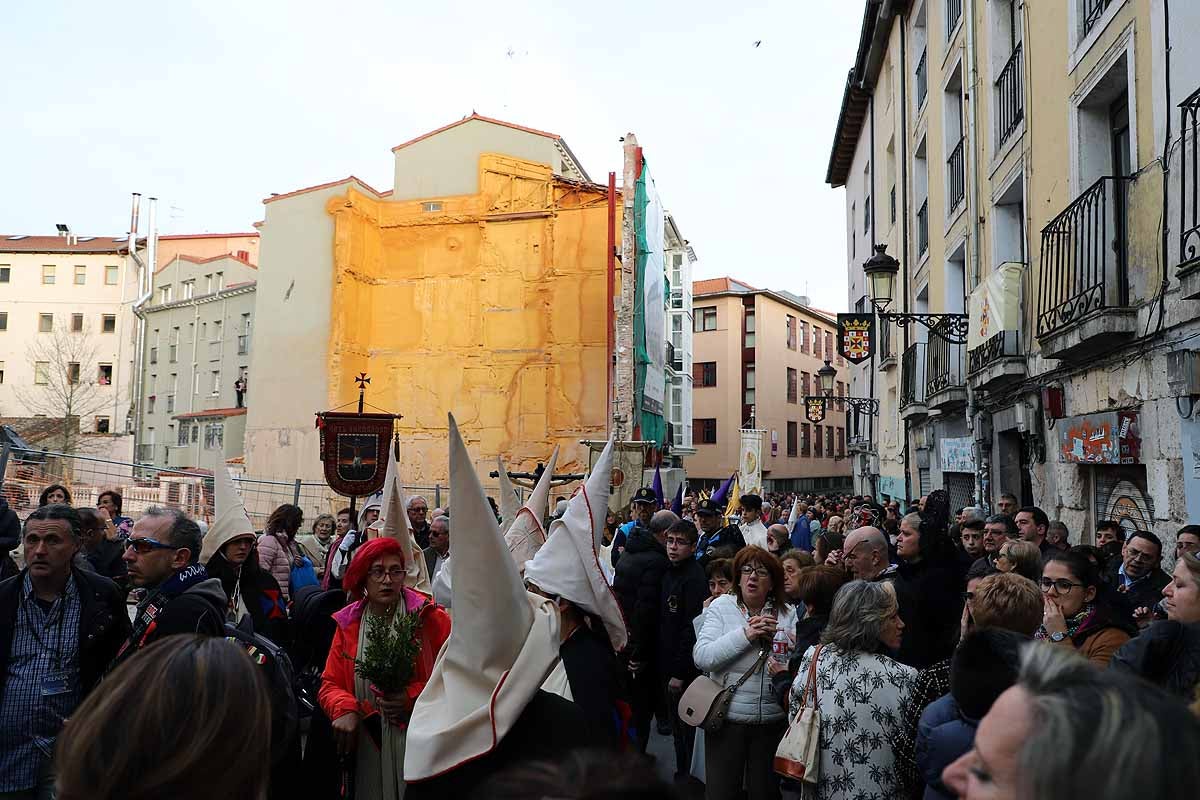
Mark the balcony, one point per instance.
(1083, 290)
(923, 229)
(997, 362)
(922, 80)
(147, 452)
(674, 358)
(944, 386)
(1189, 197)
(1010, 98)
(912, 382)
(1092, 11)
(956, 177)
(243, 344)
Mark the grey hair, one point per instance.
(912, 520)
(184, 532)
(973, 514)
(441, 518)
(1002, 519)
(414, 499)
(1101, 733)
(662, 520)
(860, 609)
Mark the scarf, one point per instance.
(155, 602)
(379, 773)
(1075, 623)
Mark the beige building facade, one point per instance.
(756, 354)
(1027, 164)
(67, 335)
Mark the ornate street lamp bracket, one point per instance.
(951, 328)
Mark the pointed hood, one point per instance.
(393, 523)
(526, 536)
(230, 519)
(509, 502)
(503, 644)
(567, 566)
(720, 494)
(658, 486)
(677, 503)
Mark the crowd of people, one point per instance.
(946, 652)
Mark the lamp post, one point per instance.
(881, 270)
(826, 376)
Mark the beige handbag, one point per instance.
(705, 702)
(798, 755)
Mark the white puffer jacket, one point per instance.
(723, 651)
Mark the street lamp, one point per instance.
(826, 375)
(881, 270)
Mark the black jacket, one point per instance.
(595, 679)
(1145, 594)
(1166, 654)
(721, 543)
(108, 561)
(684, 587)
(930, 598)
(10, 538)
(638, 585)
(103, 624)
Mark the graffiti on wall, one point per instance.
(1122, 497)
(1108, 438)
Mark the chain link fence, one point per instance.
(25, 473)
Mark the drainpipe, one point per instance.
(904, 230)
(145, 286)
(973, 207)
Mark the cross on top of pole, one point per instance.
(362, 380)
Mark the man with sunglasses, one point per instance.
(59, 628)
(162, 556)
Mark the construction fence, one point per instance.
(25, 473)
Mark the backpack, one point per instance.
(276, 669)
(313, 629)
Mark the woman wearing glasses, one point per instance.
(733, 647)
(1077, 613)
(367, 721)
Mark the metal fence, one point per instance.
(25, 473)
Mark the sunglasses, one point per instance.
(144, 545)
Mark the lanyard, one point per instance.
(60, 604)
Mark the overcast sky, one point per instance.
(214, 105)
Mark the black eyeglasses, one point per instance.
(1063, 585)
(395, 574)
(144, 545)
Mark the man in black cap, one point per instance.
(645, 503)
(753, 531)
(716, 541)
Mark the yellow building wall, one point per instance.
(491, 307)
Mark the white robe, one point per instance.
(755, 534)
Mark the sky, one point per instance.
(212, 106)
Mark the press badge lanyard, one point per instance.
(37, 630)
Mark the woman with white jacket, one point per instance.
(735, 639)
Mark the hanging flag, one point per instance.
(856, 334)
(814, 409)
(750, 461)
(734, 506)
(677, 503)
(657, 486)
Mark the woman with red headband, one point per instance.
(368, 707)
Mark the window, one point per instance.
(5, 274)
(841, 442)
(749, 383)
(164, 294)
(195, 383)
(817, 441)
(804, 377)
(816, 341)
(108, 323)
(220, 281)
(706, 430)
(704, 373)
(851, 237)
(1, 372)
(102, 425)
(41, 372)
(748, 322)
(183, 434)
(214, 436)
(104, 375)
(208, 284)
(3, 320)
(246, 324)
(45, 323)
(170, 404)
(189, 289)
(805, 448)
(829, 345)
(216, 331)
(792, 447)
(73, 372)
(80, 276)
(803, 337)
(195, 432)
(791, 332)
(867, 216)
(216, 382)
(48, 274)
(203, 330)
(791, 386)
(110, 276)
(892, 208)
(706, 319)
(77, 323)
(431, 207)
(829, 441)
(150, 404)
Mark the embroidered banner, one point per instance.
(354, 451)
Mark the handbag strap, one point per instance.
(810, 685)
(762, 657)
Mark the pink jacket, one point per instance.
(275, 556)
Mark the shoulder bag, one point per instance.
(705, 702)
(798, 755)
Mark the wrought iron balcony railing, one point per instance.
(1084, 257)
(953, 14)
(998, 346)
(1093, 10)
(1189, 182)
(943, 365)
(912, 375)
(956, 171)
(923, 228)
(922, 79)
(1010, 97)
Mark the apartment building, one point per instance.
(680, 259)
(199, 325)
(66, 336)
(756, 354)
(1027, 165)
